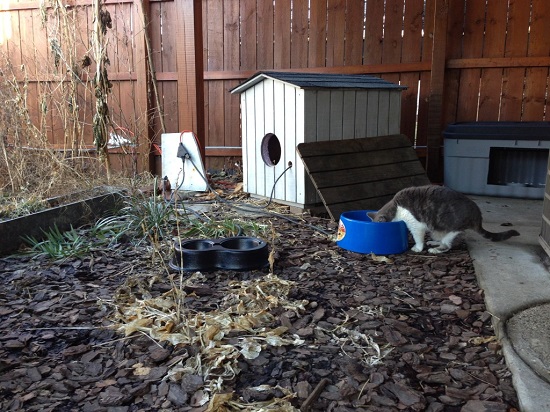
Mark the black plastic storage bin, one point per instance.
(508, 159)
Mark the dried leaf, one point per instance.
(481, 340)
(140, 370)
(382, 259)
(137, 324)
(250, 349)
(457, 300)
(218, 402)
(238, 187)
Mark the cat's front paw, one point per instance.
(435, 250)
(417, 248)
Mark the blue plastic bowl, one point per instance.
(358, 233)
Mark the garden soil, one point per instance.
(409, 332)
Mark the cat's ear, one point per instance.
(372, 215)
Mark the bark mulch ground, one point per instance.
(408, 334)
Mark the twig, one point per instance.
(67, 328)
(314, 395)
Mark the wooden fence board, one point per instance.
(231, 36)
(373, 32)
(318, 34)
(214, 41)
(231, 62)
(493, 46)
(411, 52)
(156, 19)
(248, 41)
(537, 78)
(472, 46)
(82, 30)
(453, 50)
(125, 50)
(281, 37)
(170, 105)
(336, 21)
(425, 76)
(232, 112)
(27, 52)
(265, 34)
(299, 34)
(45, 61)
(169, 33)
(111, 38)
(214, 44)
(517, 33)
(14, 45)
(355, 14)
(393, 36)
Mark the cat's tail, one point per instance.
(497, 237)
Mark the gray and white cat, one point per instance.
(441, 211)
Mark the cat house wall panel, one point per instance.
(280, 110)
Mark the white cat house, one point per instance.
(280, 110)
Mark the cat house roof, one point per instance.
(320, 81)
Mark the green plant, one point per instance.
(109, 230)
(140, 218)
(149, 217)
(59, 245)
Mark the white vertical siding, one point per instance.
(246, 147)
(297, 165)
(250, 125)
(260, 113)
(280, 126)
(289, 149)
(269, 127)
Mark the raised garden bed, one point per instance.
(74, 210)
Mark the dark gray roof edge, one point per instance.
(319, 81)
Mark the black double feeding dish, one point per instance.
(232, 253)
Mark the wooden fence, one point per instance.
(461, 60)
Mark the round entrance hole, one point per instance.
(271, 149)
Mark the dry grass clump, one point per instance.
(49, 145)
(241, 325)
(29, 170)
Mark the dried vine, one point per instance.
(102, 85)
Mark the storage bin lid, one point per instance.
(498, 131)
(320, 81)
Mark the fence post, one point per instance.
(437, 84)
(142, 108)
(189, 49)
